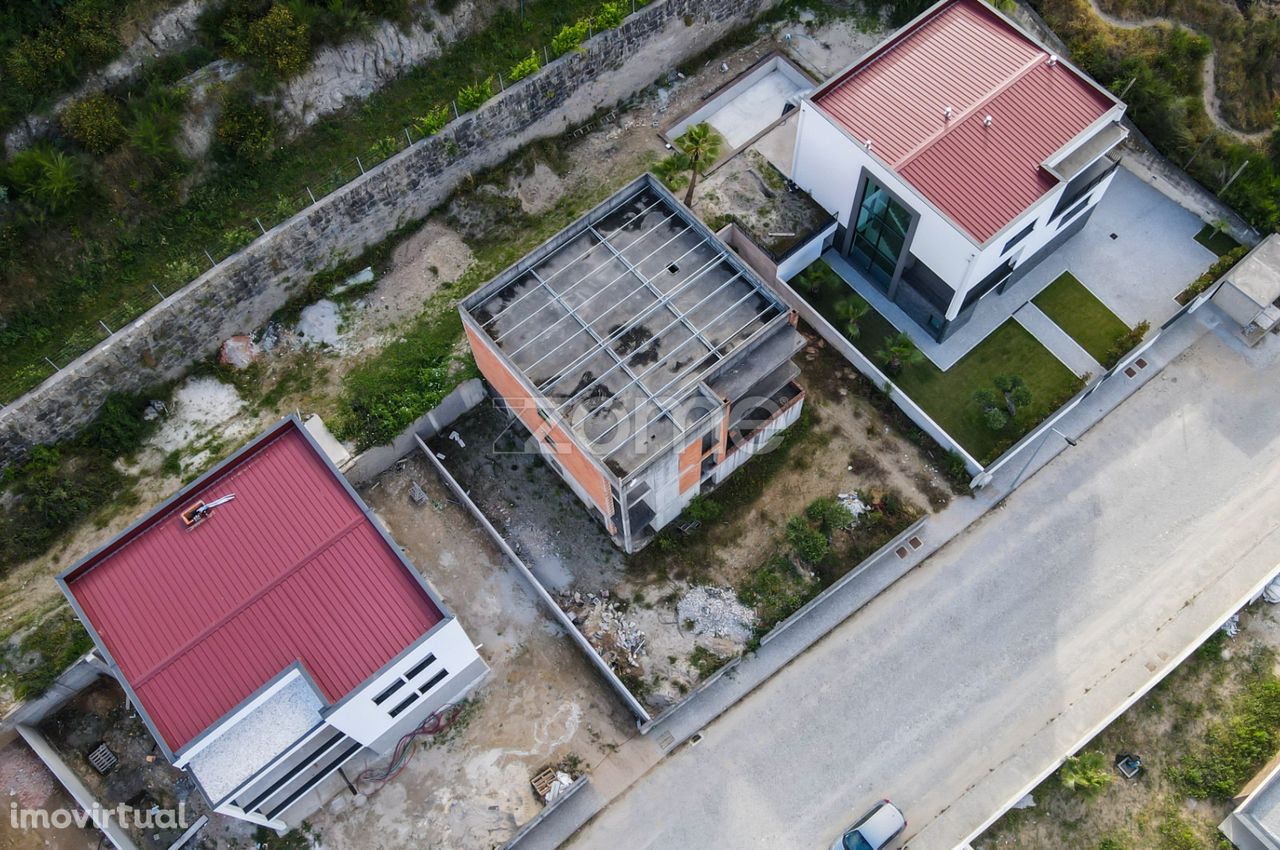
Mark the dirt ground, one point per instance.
(1158, 728)
(540, 703)
(849, 448)
(28, 783)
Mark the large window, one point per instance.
(880, 233)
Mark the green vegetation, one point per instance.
(64, 266)
(473, 96)
(1159, 71)
(705, 662)
(1216, 239)
(44, 652)
(1076, 310)
(1087, 773)
(1233, 748)
(569, 37)
(696, 151)
(948, 397)
(1225, 263)
(526, 66)
(61, 485)
(1002, 405)
(95, 122)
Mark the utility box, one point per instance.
(1250, 292)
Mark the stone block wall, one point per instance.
(242, 292)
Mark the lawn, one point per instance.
(948, 396)
(1079, 312)
(1215, 240)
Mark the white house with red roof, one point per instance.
(268, 630)
(954, 156)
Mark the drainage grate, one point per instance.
(102, 759)
(666, 740)
(916, 542)
(901, 552)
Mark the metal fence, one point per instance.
(183, 271)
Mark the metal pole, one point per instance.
(361, 164)
(1127, 86)
(456, 116)
(212, 261)
(546, 55)
(105, 328)
(311, 196)
(158, 292)
(260, 227)
(501, 87)
(1025, 466)
(1207, 140)
(1233, 177)
(54, 365)
(407, 137)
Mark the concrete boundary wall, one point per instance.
(377, 460)
(864, 365)
(578, 785)
(242, 291)
(898, 540)
(556, 611)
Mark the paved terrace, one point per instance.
(1137, 274)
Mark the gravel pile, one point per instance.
(716, 611)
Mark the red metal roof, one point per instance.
(966, 57)
(291, 570)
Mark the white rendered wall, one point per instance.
(360, 718)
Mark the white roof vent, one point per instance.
(1053, 60)
(946, 114)
(868, 144)
(986, 122)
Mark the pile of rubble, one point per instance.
(618, 640)
(716, 611)
(854, 503)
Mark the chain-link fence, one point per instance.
(234, 240)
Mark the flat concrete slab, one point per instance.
(778, 145)
(754, 108)
(1059, 343)
(1137, 274)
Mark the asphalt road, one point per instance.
(973, 675)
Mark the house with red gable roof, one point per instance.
(954, 156)
(268, 630)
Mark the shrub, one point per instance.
(829, 514)
(120, 426)
(570, 36)
(55, 644)
(434, 121)
(703, 509)
(246, 130)
(810, 545)
(609, 16)
(1233, 748)
(154, 121)
(1125, 343)
(525, 67)
(1223, 265)
(1087, 773)
(279, 42)
(95, 122)
(472, 96)
(384, 148)
(48, 178)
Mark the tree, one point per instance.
(898, 352)
(851, 310)
(280, 42)
(96, 122)
(45, 176)
(1086, 773)
(998, 410)
(700, 146)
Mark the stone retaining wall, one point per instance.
(242, 292)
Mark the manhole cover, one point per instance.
(102, 759)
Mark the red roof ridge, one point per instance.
(957, 120)
(248, 602)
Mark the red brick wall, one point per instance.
(575, 461)
(690, 464)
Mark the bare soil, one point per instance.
(540, 703)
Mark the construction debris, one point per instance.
(853, 502)
(716, 611)
(238, 352)
(619, 640)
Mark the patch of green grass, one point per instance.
(1234, 747)
(776, 590)
(706, 662)
(1076, 310)
(948, 396)
(44, 652)
(1216, 240)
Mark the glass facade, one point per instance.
(880, 233)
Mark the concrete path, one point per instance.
(970, 679)
(1058, 341)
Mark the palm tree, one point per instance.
(850, 311)
(700, 146)
(899, 352)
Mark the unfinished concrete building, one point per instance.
(647, 360)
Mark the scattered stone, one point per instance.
(856, 506)
(716, 611)
(238, 352)
(365, 275)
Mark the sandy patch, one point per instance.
(434, 254)
(538, 190)
(198, 408)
